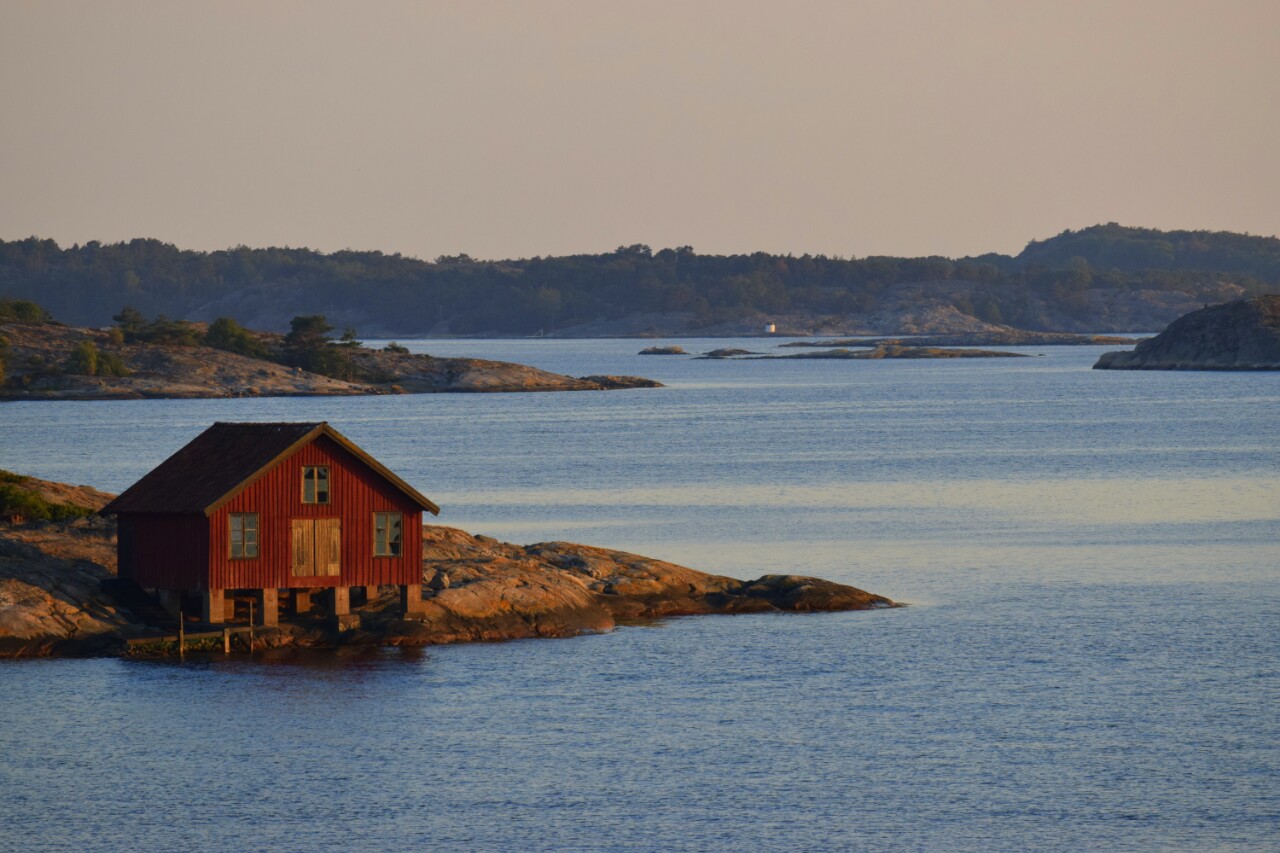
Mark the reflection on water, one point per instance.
(341, 660)
(1114, 501)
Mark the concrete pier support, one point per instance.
(341, 600)
(301, 601)
(213, 606)
(268, 607)
(370, 593)
(411, 598)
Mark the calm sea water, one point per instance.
(1089, 661)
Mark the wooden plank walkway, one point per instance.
(184, 637)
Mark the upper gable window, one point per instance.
(315, 484)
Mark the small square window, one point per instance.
(315, 484)
(244, 535)
(388, 534)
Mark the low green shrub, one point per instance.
(110, 364)
(16, 501)
(226, 334)
(84, 359)
(23, 311)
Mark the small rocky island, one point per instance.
(58, 596)
(1240, 335)
(894, 351)
(49, 361)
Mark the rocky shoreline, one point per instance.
(1240, 335)
(38, 355)
(57, 597)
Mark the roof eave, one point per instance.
(353, 448)
(306, 438)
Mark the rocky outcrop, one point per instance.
(39, 354)
(666, 350)
(925, 316)
(484, 589)
(53, 599)
(608, 382)
(51, 575)
(425, 374)
(1241, 335)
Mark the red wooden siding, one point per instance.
(355, 493)
(169, 551)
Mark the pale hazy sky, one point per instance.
(510, 129)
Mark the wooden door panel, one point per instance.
(329, 546)
(317, 546)
(304, 558)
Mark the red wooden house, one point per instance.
(262, 507)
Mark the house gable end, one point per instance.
(357, 493)
(227, 458)
(352, 451)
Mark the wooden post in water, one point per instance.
(251, 626)
(182, 636)
(226, 641)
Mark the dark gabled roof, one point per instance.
(221, 461)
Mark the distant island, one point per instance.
(58, 594)
(139, 358)
(891, 351)
(1105, 278)
(1242, 335)
(994, 338)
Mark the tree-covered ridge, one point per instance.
(1116, 247)
(1051, 282)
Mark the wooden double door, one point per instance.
(317, 547)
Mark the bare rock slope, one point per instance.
(1240, 335)
(50, 579)
(486, 589)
